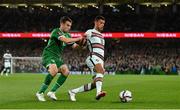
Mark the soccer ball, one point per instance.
(125, 96)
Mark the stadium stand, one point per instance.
(135, 55)
(121, 55)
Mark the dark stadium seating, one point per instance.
(38, 19)
(135, 55)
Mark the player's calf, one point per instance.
(49, 77)
(99, 80)
(62, 78)
(84, 88)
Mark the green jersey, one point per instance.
(52, 53)
(55, 46)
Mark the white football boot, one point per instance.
(40, 97)
(72, 96)
(52, 95)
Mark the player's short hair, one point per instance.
(64, 19)
(97, 18)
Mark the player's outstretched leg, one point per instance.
(84, 88)
(60, 81)
(49, 77)
(99, 81)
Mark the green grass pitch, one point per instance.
(152, 92)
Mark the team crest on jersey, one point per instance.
(59, 33)
(53, 61)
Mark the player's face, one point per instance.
(66, 26)
(100, 24)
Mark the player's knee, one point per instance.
(99, 77)
(64, 70)
(100, 70)
(53, 72)
(53, 69)
(103, 71)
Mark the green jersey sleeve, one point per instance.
(68, 35)
(56, 34)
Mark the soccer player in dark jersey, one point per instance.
(52, 58)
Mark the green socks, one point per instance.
(46, 83)
(59, 82)
(48, 80)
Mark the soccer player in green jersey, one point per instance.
(52, 58)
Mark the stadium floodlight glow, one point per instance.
(32, 8)
(96, 6)
(112, 6)
(93, 5)
(156, 5)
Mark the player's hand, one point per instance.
(80, 38)
(82, 41)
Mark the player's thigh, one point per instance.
(64, 70)
(51, 65)
(90, 63)
(99, 68)
(98, 64)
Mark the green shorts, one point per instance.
(48, 59)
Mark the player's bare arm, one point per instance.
(69, 40)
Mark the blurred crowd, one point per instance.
(118, 18)
(140, 56)
(136, 55)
